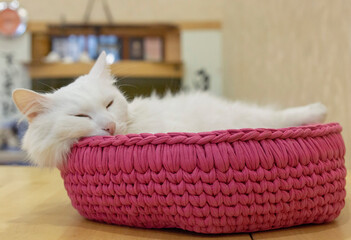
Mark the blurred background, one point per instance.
(286, 53)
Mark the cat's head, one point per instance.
(91, 105)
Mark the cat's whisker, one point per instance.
(127, 85)
(46, 85)
(122, 78)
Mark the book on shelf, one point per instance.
(153, 49)
(72, 47)
(136, 49)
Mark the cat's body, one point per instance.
(200, 111)
(92, 105)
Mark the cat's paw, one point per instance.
(315, 113)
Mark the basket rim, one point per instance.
(217, 136)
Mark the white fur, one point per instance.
(52, 132)
(199, 111)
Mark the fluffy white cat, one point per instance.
(92, 105)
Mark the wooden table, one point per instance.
(34, 205)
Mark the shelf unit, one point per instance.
(171, 67)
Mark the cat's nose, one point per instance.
(110, 127)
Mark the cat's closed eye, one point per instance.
(82, 115)
(109, 105)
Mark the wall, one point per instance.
(125, 10)
(202, 50)
(290, 52)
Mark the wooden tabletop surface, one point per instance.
(34, 205)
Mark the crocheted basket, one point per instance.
(216, 182)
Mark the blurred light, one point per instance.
(22, 12)
(14, 5)
(110, 58)
(21, 29)
(92, 46)
(3, 5)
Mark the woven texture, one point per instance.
(216, 182)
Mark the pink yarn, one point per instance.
(216, 182)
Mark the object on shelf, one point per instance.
(136, 49)
(84, 57)
(153, 49)
(75, 46)
(52, 57)
(67, 59)
(92, 46)
(110, 44)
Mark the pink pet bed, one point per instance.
(216, 182)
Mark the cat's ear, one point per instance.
(29, 103)
(100, 68)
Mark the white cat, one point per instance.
(92, 105)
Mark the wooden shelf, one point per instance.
(136, 69)
(10, 157)
(39, 27)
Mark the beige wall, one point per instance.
(290, 52)
(126, 10)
